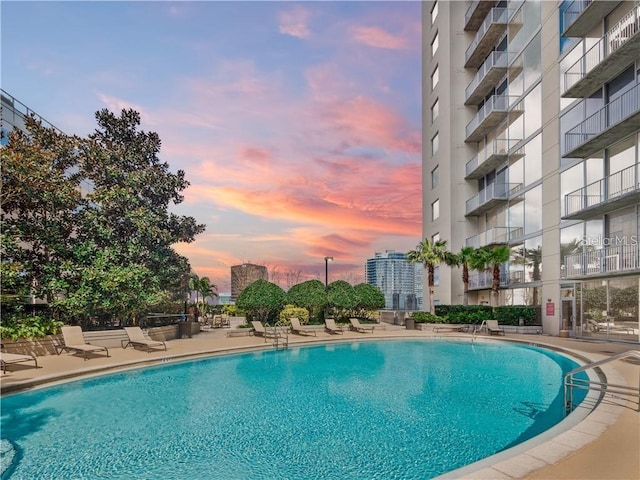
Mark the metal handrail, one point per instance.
(570, 382)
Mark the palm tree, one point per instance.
(490, 259)
(430, 254)
(194, 284)
(206, 289)
(462, 259)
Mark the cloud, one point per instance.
(294, 22)
(378, 38)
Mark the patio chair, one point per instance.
(74, 341)
(493, 328)
(260, 330)
(358, 327)
(220, 321)
(9, 358)
(331, 327)
(137, 339)
(297, 328)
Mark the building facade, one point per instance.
(245, 274)
(399, 280)
(547, 161)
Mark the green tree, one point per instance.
(310, 295)
(342, 299)
(462, 259)
(430, 254)
(368, 298)
(262, 300)
(490, 259)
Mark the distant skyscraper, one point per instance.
(245, 274)
(399, 280)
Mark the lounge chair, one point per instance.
(493, 328)
(331, 327)
(137, 339)
(297, 328)
(260, 330)
(9, 358)
(220, 321)
(358, 327)
(74, 341)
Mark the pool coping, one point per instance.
(583, 426)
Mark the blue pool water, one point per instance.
(389, 409)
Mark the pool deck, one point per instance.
(596, 443)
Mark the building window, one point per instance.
(435, 237)
(435, 77)
(435, 110)
(435, 210)
(434, 12)
(435, 144)
(435, 177)
(436, 276)
(434, 45)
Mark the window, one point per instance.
(435, 144)
(435, 77)
(434, 12)
(436, 276)
(435, 237)
(434, 45)
(435, 177)
(435, 110)
(435, 210)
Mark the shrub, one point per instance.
(35, 326)
(291, 311)
(465, 314)
(426, 317)
(510, 315)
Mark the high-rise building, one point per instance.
(399, 280)
(531, 118)
(245, 274)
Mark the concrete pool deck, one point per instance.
(603, 443)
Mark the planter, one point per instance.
(410, 324)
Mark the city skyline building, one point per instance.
(244, 275)
(531, 118)
(399, 280)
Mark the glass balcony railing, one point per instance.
(605, 59)
(493, 26)
(476, 13)
(603, 195)
(489, 73)
(596, 132)
(495, 152)
(582, 15)
(484, 280)
(494, 236)
(490, 115)
(614, 258)
(491, 195)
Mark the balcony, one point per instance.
(484, 280)
(490, 115)
(494, 154)
(476, 13)
(582, 15)
(613, 122)
(491, 71)
(603, 196)
(492, 195)
(604, 261)
(492, 28)
(494, 236)
(606, 59)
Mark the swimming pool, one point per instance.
(376, 409)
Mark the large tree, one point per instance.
(462, 259)
(430, 254)
(491, 259)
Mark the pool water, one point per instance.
(385, 409)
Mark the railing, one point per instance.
(573, 12)
(469, 13)
(484, 280)
(494, 60)
(603, 190)
(621, 255)
(570, 382)
(497, 103)
(493, 191)
(614, 112)
(17, 111)
(499, 146)
(494, 235)
(615, 38)
(496, 15)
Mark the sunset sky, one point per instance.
(297, 124)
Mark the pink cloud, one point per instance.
(295, 21)
(377, 37)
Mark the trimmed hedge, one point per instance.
(466, 314)
(475, 314)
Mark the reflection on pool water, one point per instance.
(385, 409)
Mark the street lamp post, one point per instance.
(326, 272)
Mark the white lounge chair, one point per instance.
(74, 341)
(297, 328)
(331, 327)
(493, 328)
(9, 358)
(358, 327)
(137, 339)
(261, 331)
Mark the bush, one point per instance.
(291, 311)
(426, 317)
(35, 326)
(465, 314)
(510, 315)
